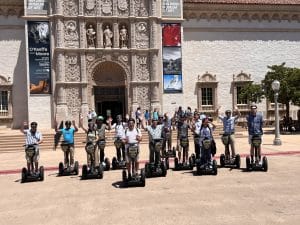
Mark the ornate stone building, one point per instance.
(107, 55)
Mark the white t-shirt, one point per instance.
(119, 129)
(131, 135)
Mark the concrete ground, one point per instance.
(234, 196)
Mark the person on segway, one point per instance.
(101, 127)
(182, 135)
(196, 125)
(119, 127)
(167, 134)
(132, 136)
(228, 135)
(32, 138)
(68, 136)
(255, 123)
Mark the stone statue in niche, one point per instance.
(108, 34)
(123, 37)
(91, 36)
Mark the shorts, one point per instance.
(129, 159)
(250, 139)
(34, 158)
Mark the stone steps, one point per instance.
(15, 142)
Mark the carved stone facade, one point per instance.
(98, 45)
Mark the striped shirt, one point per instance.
(32, 138)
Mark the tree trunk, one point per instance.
(287, 111)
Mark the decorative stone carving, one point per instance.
(4, 81)
(207, 77)
(142, 69)
(106, 7)
(123, 7)
(71, 34)
(70, 8)
(141, 8)
(73, 100)
(123, 58)
(142, 37)
(90, 6)
(143, 93)
(242, 77)
(123, 37)
(108, 35)
(91, 36)
(72, 70)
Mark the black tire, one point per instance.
(143, 178)
(107, 164)
(193, 158)
(222, 160)
(174, 151)
(100, 171)
(191, 162)
(41, 170)
(238, 161)
(215, 167)
(84, 172)
(124, 176)
(176, 163)
(167, 163)
(114, 163)
(24, 175)
(248, 164)
(76, 168)
(199, 172)
(60, 169)
(163, 169)
(147, 170)
(265, 163)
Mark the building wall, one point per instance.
(13, 64)
(224, 48)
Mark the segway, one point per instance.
(134, 179)
(206, 166)
(170, 153)
(94, 171)
(158, 169)
(226, 159)
(28, 176)
(66, 170)
(258, 164)
(106, 163)
(184, 143)
(116, 164)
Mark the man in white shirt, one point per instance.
(119, 127)
(132, 135)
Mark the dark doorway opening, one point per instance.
(110, 108)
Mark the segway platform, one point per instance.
(230, 161)
(258, 165)
(116, 164)
(29, 177)
(135, 180)
(67, 171)
(209, 168)
(183, 166)
(153, 170)
(170, 153)
(92, 173)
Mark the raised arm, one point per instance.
(75, 127)
(22, 128)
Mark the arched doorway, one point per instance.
(109, 90)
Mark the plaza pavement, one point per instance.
(232, 197)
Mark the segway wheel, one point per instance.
(41, 170)
(24, 175)
(176, 163)
(100, 172)
(238, 161)
(76, 168)
(147, 170)
(174, 151)
(143, 178)
(60, 168)
(163, 169)
(167, 163)
(114, 163)
(265, 163)
(193, 159)
(248, 165)
(191, 162)
(107, 164)
(84, 172)
(222, 160)
(199, 172)
(215, 167)
(124, 176)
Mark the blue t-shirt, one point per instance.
(68, 135)
(255, 124)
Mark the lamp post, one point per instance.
(275, 87)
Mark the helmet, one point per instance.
(68, 123)
(33, 124)
(100, 118)
(228, 111)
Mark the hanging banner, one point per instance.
(172, 60)
(172, 83)
(39, 57)
(36, 7)
(171, 8)
(171, 34)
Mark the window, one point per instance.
(240, 100)
(207, 97)
(3, 101)
(240, 81)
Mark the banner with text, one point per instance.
(171, 8)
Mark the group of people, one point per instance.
(201, 126)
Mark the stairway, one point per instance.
(13, 140)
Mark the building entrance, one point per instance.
(110, 101)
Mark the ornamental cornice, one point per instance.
(11, 10)
(241, 12)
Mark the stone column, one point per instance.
(153, 69)
(116, 34)
(82, 37)
(153, 34)
(99, 34)
(80, 6)
(60, 67)
(131, 7)
(115, 8)
(59, 7)
(133, 67)
(153, 7)
(132, 35)
(60, 33)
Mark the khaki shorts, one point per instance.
(129, 159)
(34, 158)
